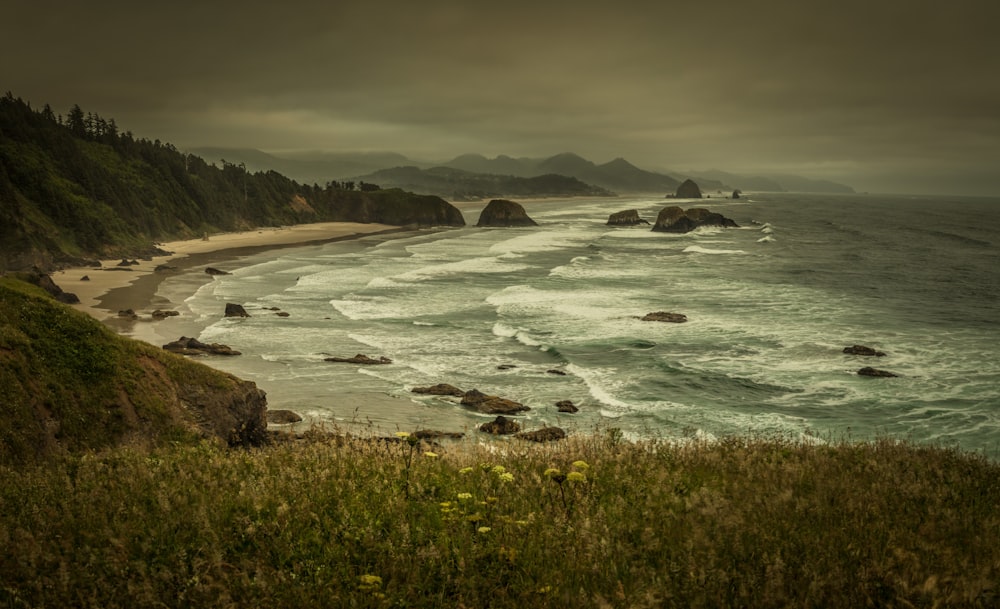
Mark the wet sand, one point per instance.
(112, 288)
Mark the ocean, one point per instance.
(551, 313)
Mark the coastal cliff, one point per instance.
(69, 384)
(77, 191)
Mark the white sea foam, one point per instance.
(767, 239)
(697, 249)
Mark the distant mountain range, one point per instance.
(472, 176)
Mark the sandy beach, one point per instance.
(112, 288)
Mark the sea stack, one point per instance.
(688, 190)
(673, 219)
(501, 212)
(629, 217)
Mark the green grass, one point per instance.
(589, 522)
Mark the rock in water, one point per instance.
(501, 426)
(235, 310)
(674, 318)
(869, 371)
(567, 406)
(214, 271)
(863, 350)
(501, 212)
(629, 217)
(283, 417)
(360, 358)
(193, 346)
(439, 389)
(688, 189)
(673, 219)
(491, 404)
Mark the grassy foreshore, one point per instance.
(590, 522)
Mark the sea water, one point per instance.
(549, 313)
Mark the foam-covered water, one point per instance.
(770, 307)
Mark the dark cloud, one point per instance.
(871, 93)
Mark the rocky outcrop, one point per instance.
(235, 310)
(500, 426)
(688, 189)
(664, 316)
(439, 389)
(45, 282)
(556, 372)
(737, 193)
(193, 346)
(567, 406)
(863, 350)
(673, 219)
(282, 417)
(501, 212)
(545, 434)
(239, 416)
(128, 314)
(214, 271)
(629, 217)
(360, 358)
(491, 404)
(160, 314)
(869, 371)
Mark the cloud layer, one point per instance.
(887, 96)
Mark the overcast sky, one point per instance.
(885, 95)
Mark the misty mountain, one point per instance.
(617, 176)
(461, 185)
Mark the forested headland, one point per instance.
(77, 187)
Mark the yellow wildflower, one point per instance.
(465, 471)
(498, 469)
(551, 472)
(581, 465)
(484, 529)
(402, 434)
(464, 496)
(506, 477)
(431, 455)
(576, 477)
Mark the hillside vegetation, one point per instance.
(68, 384)
(592, 522)
(78, 188)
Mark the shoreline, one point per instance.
(111, 288)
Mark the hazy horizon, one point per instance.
(888, 97)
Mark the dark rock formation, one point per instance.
(282, 417)
(193, 346)
(737, 193)
(158, 314)
(629, 217)
(214, 271)
(501, 212)
(128, 314)
(439, 389)
(85, 278)
(567, 406)
(501, 426)
(869, 371)
(127, 262)
(556, 372)
(545, 434)
(688, 189)
(360, 358)
(235, 310)
(491, 404)
(863, 350)
(238, 415)
(506, 367)
(676, 318)
(282, 314)
(161, 268)
(45, 282)
(673, 219)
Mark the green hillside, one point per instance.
(76, 188)
(68, 383)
